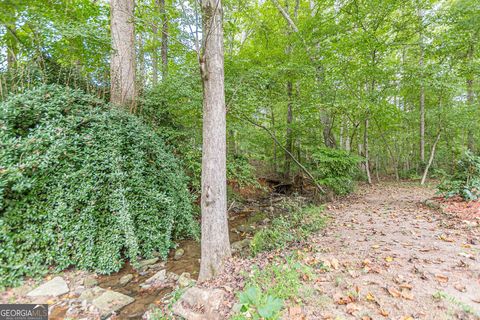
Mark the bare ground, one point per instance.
(388, 256)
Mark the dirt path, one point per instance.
(403, 259)
(384, 255)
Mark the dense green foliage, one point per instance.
(465, 181)
(83, 184)
(296, 225)
(335, 168)
(355, 69)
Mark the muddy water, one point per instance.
(189, 262)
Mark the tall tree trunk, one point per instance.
(275, 157)
(470, 97)
(327, 124)
(122, 64)
(12, 47)
(141, 64)
(365, 146)
(422, 90)
(164, 52)
(289, 135)
(215, 244)
(155, 52)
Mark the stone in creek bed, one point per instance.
(106, 301)
(54, 288)
(145, 263)
(90, 281)
(125, 279)
(240, 245)
(111, 301)
(184, 280)
(246, 229)
(178, 254)
(158, 277)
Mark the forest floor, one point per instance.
(384, 255)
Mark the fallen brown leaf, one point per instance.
(441, 278)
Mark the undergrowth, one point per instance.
(296, 225)
(267, 289)
(465, 181)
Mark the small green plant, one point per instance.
(267, 287)
(441, 295)
(282, 278)
(465, 181)
(258, 305)
(296, 225)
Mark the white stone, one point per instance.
(54, 288)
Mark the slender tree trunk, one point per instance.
(12, 47)
(432, 154)
(422, 90)
(275, 157)
(327, 124)
(122, 65)
(215, 244)
(367, 159)
(470, 97)
(141, 64)
(289, 135)
(155, 52)
(164, 52)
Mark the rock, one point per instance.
(54, 288)
(159, 265)
(178, 254)
(236, 308)
(111, 301)
(125, 279)
(90, 281)
(239, 245)
(246, 229)
(157, 278)
(22, 290)
(199, 304)
(145, 263)
(184, 280)
(90, 294)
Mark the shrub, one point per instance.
(465, 181)
(84, 185)
(335, 168)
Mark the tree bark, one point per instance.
(164, 51)
(289, 134)
(155, 51)
(122, 64)
(470, 97)
(432, 154)
(365, 146)
(215, 244)
(422, 90)
(141, 65)
(275, 157)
